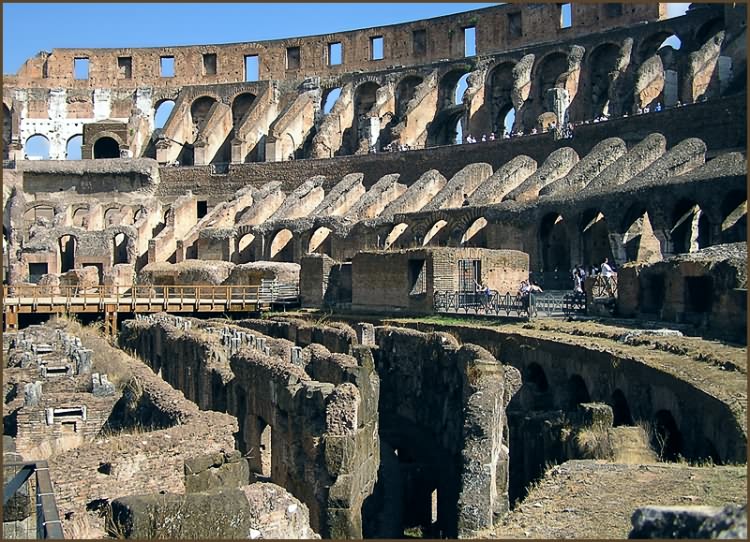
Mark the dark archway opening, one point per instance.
(577, 392)
(120, 248)
(734, 217)
(67, 244)
(417, 488)
(554, 243)
(620, 409)
(595, 238)
(106, 147)
(666, 438)
(282, 247)
(690, 230)
(602, 65)
(7, 128)
(499, 97)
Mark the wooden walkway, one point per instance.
(111, 300)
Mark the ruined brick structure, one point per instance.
(312, 421)
(345, 178)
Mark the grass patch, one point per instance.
(594, 442)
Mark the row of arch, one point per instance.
(690, 228)
(37, 146)
(666, 437)
(592, 100)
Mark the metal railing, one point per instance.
(518, 305)
(23, 482)
(604, 286)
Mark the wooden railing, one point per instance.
(148, 296)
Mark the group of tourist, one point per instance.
(395, 146)
(579, 275)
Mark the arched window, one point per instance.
(162, 113)
(73, 148)
(330, 98)
(37, 148)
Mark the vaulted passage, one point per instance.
(106, 147)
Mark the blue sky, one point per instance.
(30, 28)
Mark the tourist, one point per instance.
(577, 280)
(466, 202)
(484, 138)
(607, 274)
(523, 293)
(492, 136)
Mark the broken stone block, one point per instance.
(296, 355)
(82, 357)
(596, 414)
(671, 521)
(32, 393)
(102, 387)
(229, 513)
(365, 333)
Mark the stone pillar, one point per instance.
(671, 88)
(102, 103)
(145, 106)
(558, 101)
(725, 73)
(57, 111)
(365, 333)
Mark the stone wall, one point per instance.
(259, 510)
(132, 441)
(442, 407)
(321, 409)
(707, 288)
(133, 67)
(406, 280)
(709, 421)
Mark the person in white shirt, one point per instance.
(607, 273)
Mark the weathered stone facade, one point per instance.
(348, 425)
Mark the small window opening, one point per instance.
(209, 64)
(515, 30)
(335, 54)
(376, 48)
(125, 67)
(566, 16)
(251, 68)
(80, 68)
(202, 209)
(419, 42)
(292, 58)
(36, 270)
(166, 66)
(417, 277)
(470, 41)
(698, 294)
